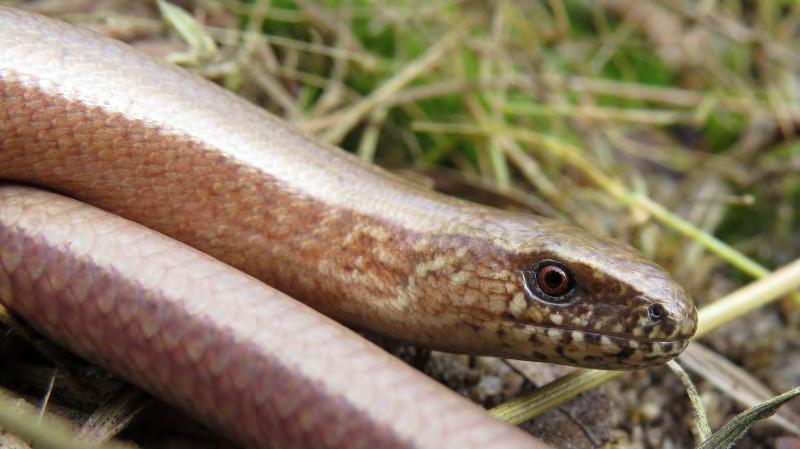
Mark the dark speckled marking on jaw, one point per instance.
(624, 353)
(592, 338)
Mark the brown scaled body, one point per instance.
(239, 355)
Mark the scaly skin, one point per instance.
(239, 355)
(91, 118)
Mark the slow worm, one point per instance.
(91, 118)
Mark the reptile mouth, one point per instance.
(624, 350)
(599, 350)
(605, 351)
(645, 353)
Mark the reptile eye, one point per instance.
(549, 280)
(553, 280)
(656, 312)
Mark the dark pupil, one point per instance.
(553, 279)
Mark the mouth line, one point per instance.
(586, 348)
(614, 336)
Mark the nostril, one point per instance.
(656, 312)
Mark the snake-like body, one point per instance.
(93, 119)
